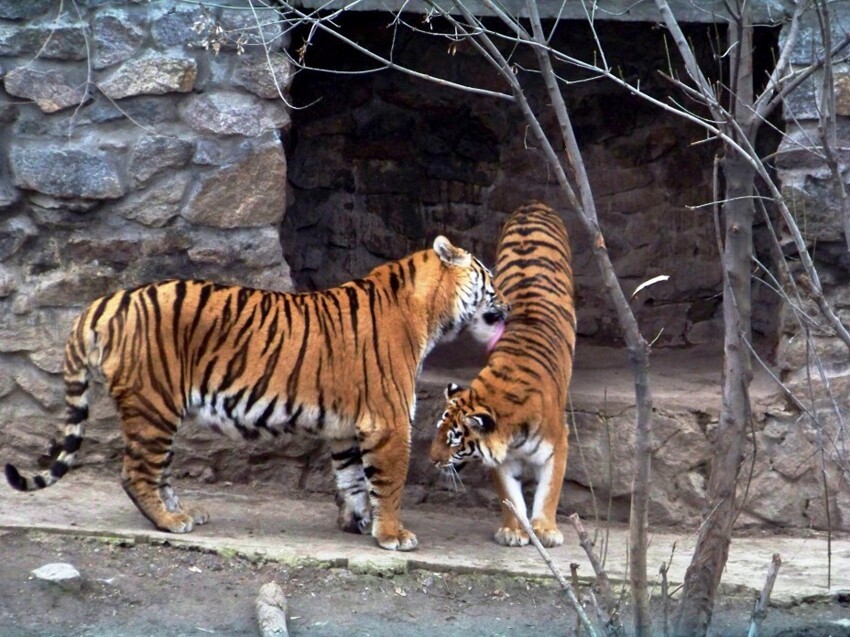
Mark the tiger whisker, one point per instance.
(456, 482)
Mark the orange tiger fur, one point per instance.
(513, 413)
(339, 363)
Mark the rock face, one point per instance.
(111, 186)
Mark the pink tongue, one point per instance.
(500, 329)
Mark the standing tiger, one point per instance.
(339, 363)
(513, 413)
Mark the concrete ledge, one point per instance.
(266, 523)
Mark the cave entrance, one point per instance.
(380, 163)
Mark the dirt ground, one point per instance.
(135, 589)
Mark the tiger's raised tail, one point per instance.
(77, 377)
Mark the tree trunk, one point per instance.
(709, 559)
(712, 550)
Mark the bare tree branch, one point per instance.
(571, 596)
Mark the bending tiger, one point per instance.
(339, 363)
(513, 413)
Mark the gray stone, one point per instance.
(800, 147)
(842, 94)
(46, 389)
(49, 89)
(213, 152)
(151, 74)
(66, 171)
(35, 331)
(794, 454)
(56, 572)
(591, 457)
(251, 192)
(104, 246)
(41, 202)
(231, 113)
(705, 332)
(9, 195)
(118, 34)
(157, 204)
(8, 281)
(23, 10)
(14, 231)
(172, 23)
(65, 288)
(269, 81)
(808, 46)
(691, 487)
(679, 444)
(812, 200)
(152, 154)
(772, 497)
(256, 248)
(7, 382)
(801, 103)
(253, 30)
(61, 38)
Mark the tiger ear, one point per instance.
(451, 255)
(482, 422)
(452, 389)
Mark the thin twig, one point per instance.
(574, 578)
(665, 601)
(571, 596)
(760, 611)
(602, 580)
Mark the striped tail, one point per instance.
(77, 379)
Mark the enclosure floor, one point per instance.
(268, 522)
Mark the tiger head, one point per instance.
(477, 306)
(467, 429)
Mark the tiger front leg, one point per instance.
(550, 478)
(386, 453)
(352, 497)
(506, 479)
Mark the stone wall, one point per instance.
(803, 447)
(130, 153)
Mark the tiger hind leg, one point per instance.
(170, 499)
(352, 497)
(386, 453)
(145, 475)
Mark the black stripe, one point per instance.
(76, 388)
(72, 443)
(76, 415)
(101, 307)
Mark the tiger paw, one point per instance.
(199, 516)
(403, 541)
(176, 523)
(549, 537)
(352, 521)
(507, 536)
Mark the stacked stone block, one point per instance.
(136, 145)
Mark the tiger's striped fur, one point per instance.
(513, 413)
(340, 364)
